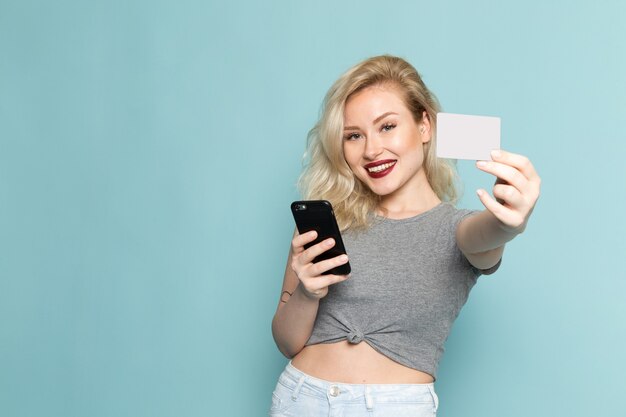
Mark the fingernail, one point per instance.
(479, 192)
(496, 153)
(330, 242)
(343, 258)
(481, 164)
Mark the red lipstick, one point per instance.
(379, 169)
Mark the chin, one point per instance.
(380, 188)
(382, 191)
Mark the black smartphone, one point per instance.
(318, 215)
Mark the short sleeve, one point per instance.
(489, 271)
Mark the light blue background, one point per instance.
(148, 155)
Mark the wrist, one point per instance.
(303, 294)
(512, 230)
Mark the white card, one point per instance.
(461, 136)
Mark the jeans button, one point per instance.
(334, 390)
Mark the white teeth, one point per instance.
(382, 167)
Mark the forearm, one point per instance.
(482, 232)
(293, 322)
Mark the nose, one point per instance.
(373, 147)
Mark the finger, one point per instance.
(298, 242)
(311, 253)
(322, 266)
(505, 172)
(324, 281)
(520, 162)
(508, 195)
(504, 214)
(499, 181)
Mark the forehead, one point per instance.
(371, 102)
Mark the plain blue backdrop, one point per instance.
(149, 152)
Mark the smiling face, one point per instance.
(383, 144)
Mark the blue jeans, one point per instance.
(300, 395)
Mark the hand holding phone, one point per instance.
(318, 215)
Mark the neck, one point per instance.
(409, 202)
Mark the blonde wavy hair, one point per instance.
(326, 174)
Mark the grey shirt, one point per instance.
(409, 281)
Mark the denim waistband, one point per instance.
(300, 383)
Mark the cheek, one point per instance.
(406, 140)
(351, 155)
(409, 145)
(353, 160)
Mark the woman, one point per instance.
(369, 343)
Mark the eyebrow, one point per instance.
(378, 119)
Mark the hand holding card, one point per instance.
(517, 184)
(461, 136)
(516, 190)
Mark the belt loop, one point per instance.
(294, 395)
(431, 388)
(369, 403)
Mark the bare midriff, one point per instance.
(355, 364)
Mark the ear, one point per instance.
(425, 128)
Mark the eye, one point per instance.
(387, 127)
(352, 136)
